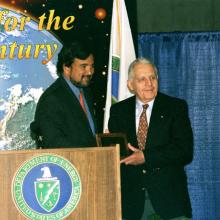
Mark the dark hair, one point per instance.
(80, 49)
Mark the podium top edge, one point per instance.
(58, 150)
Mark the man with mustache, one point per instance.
(153, 180)
(64, 115)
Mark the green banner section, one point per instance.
(115, 63)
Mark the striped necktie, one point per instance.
(81, 101)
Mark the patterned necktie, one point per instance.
(142, 129)
(81, 101)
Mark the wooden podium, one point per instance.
(99, 171)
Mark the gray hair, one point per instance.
(140, 60)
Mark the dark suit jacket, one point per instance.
(169, 147)
(59, 119)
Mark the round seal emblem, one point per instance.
(46, 187)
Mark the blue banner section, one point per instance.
(115, 82)
(188, 66)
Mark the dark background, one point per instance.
(178, 15)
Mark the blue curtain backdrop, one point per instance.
(189, 68)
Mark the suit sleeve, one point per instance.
(178, 149)
(113, 123)
(50, 122)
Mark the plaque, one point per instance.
(111, 139)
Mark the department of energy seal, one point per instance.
(46, 187)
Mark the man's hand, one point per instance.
(136, 158)
(106, 131)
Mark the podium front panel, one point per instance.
(99, 176)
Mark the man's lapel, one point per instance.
(90, 105)
(132, 120)
(155, 120)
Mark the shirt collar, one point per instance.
(75, 89)
(139, 104)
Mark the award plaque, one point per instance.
(111, 139)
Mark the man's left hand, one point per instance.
(136, 158)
